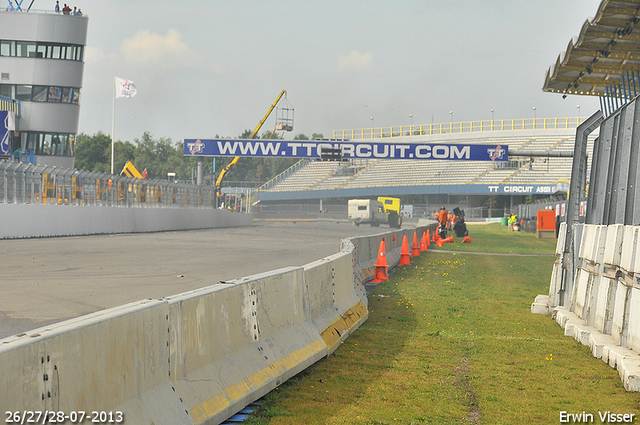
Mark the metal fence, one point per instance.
(41, 184)
(459, 127)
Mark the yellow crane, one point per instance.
(285, 124)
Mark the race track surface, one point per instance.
(48, 280)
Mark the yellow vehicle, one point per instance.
(285, 123)
(375, 212)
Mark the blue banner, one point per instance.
(350, 150)
(5, 134)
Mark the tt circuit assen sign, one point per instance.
(350, 150)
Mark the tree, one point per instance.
(93, 153)
(123, 151)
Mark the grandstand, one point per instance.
(521, 175)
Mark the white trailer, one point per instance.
(363, 211)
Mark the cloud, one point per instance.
(96, 55)
(354, 62)
(148, 48)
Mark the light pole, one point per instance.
(372, 125)
(492, 115)
(451, 113)
(411, 116)
(578, 113)
(534, 117)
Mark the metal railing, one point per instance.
(459, 128)
(24, 183)
(11, 105)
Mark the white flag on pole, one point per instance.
(125, 88)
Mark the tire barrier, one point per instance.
(200, 356)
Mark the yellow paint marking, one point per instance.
(345, 322)
(221, 401)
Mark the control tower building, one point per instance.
(41, 70)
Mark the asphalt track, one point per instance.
(48, 280)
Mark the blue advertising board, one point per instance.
(6, 125)
(350, 149)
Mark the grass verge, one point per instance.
(451, 340)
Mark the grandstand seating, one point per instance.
(315, 175)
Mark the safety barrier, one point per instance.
(594, 290)
(604, 309)
(200, 356)
(26, 183)
(27, 221)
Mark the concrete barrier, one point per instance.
(37, 220)
(200, 356)
(604, 310)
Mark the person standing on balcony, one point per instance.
(57, 8)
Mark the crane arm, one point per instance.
(235, 160)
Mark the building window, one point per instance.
(31, 49)
(23, 92)
(55, 94)
(41, 93)
(56, 144)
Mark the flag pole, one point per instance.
(113, 122)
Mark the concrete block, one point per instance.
(598, 249)
(635, 265)
(629, 248)
(562, 315)
(598, 341)
(76, 356)
(562, 236)
(160, 405)
(541, 305)
(588, 240)
(633, 336)
(320, 286)
(576, 328)
(581, 288)
(629, 369)
(591, 300)
(619, 326)
(554, 285)
(605, 302)
(613, 354)
(613, 244)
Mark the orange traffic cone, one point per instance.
(415, 248)
(448, 240)
(439, 243)
(424, 242)
(404, 253)
(466, 239)
(381, 265)
(435, 237)
(428, 239)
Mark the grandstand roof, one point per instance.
(604, 57)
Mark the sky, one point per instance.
(207, 67)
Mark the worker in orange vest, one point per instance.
(442, 220)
